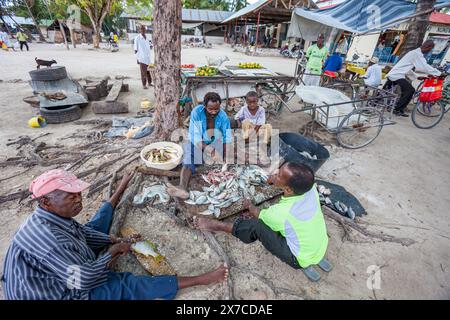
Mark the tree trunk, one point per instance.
(73, 39)
(167, 44)
(41, 36)
(417, 27)
(63, 32)
(96, 39)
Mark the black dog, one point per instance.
(46, 63)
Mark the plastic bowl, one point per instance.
(169, 165)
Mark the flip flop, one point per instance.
(325, 265)
(311, 273)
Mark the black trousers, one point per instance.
(251, 230)
(407, 93)
(23, 43)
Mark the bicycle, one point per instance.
(430, 107)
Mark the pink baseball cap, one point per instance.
(56, 179)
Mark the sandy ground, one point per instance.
(402, 179)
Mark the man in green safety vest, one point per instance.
(293, 229)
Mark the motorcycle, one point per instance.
(294, 52)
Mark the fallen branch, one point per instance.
(15, 175)
(94, 121)
(16, 195)
(100, 167)
(111, 184)
(349, 223)
(215, 245)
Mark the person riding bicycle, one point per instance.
(413, 59)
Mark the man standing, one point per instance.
(143, 55)
(53, 257)
(413, 59)
(372, 77)
(22, 38)
(316, 55)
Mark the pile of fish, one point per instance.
(337, 205)
(161, 155)
(149, 193)
(227, 187)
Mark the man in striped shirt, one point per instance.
(52, 256)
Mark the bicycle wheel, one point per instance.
(426, 115)
(359, 128)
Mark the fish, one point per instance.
(328, 201)
(337, 205)
(216, 212)
(222, 195)
(229, 183)
(206, 213)
(351, 213)
(197, 193)
(201, 200)
(191, 202)
(145, 248)
(321, 197)
(344, 207)
(225, 204)
(307, 155)
(212, 200)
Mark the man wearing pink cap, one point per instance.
(52, 256)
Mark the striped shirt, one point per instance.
(52, 258)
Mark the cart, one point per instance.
(234, 82)
(357, 119)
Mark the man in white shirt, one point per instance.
(413, 59)
(143, 55)
(372, 77)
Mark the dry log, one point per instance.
(125, 205)
(158, 172)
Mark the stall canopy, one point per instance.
(356, 16)
(268, 11)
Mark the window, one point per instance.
(237, 29)
(223, 28)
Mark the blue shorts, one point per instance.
(126, 286)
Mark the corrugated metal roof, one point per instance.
(354, 15)
(192, 15)
(247, 9)
(19, 20)
(204, 15)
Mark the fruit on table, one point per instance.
(249, 65)
(187, 66)
(206, 71)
